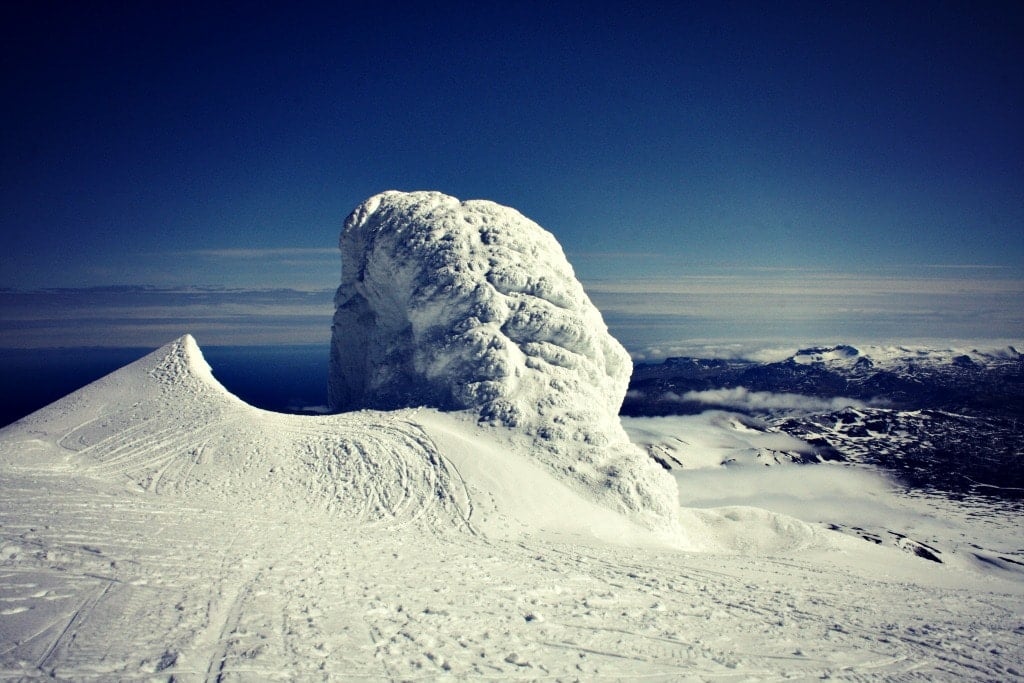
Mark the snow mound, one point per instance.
(466, 305)
(471, 306)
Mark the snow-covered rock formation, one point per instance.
(471, 306)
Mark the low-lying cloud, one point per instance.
(741, 398)
(744, 400)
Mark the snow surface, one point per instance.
(719, 460)
(471, 306)
(154, 527)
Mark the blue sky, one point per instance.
(755, 147)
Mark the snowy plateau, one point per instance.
(479, 511)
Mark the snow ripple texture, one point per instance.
(470, 305)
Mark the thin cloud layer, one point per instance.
(725, 312)
(762, 315)
(270, 253)
(150, 316)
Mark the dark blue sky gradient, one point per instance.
(848, 136)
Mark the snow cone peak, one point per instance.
(181, 364)
(469, 305)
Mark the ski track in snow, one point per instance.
(131, 584)
(185, 536)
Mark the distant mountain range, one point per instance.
(946, 420)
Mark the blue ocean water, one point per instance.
(291, 379)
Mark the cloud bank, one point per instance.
(149, 316)
(762, 315)
(737, 314)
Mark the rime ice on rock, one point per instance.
(470, 305)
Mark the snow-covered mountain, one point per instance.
(155, 527)
(948, 420)
(943, 424)
(905, 358)
(893, 375)
(165, 425)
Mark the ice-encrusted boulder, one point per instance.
(471, 306)
(466, 305)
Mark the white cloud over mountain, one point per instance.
(743, 399)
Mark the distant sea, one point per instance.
(291, 379)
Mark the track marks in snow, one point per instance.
(204, 590)
(56, 650)
(224, 616)
(375, 470)
(150, 457)
(370, 468)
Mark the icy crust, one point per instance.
(464, 305)
(471, 306)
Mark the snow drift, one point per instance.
(471, 306)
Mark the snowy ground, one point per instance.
(154, 527)
(726, 459)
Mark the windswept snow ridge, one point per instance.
(471, 306)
